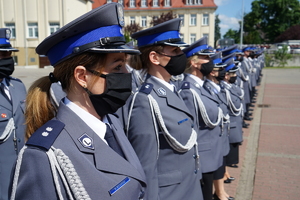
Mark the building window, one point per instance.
(132, 20)
(109, 1)
(181, 37)
(120, 2)
(12, 27)
(132, 3)
(167, 3)
(182, 19)
(205, 20)
(189, 2)
(205, 35)
(53, 27)
(192, 38)
(33, 30)
(144, 3)
(144, 21)
(197, 2)
(155, 3)
(193, 21)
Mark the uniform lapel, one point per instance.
(172, 99)
(15, 101)
(105, 158)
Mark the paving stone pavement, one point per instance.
(269, 167)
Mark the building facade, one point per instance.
(31, 21)
(198, 15)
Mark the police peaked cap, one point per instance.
(166, 33)
(229, 64)
(5, 45)
(200, 47)
(230, 50)
(99, 31)
(217, 60)
(233, 55)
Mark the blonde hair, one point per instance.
(189, 63)
(142, 61)
(39, 108)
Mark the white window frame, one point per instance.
(193, 20)
(132, 20)
(12, 27)
(53, 27)
(197, 2)
(189, 2)
(155, 3)
(143, 21)
(131, 3)
(32, 30)
(205, 19)
(182, 19)
(143, 3)
(167, 3)
(181, 35)
(192, 38)
(121, 2)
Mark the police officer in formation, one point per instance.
(160, 126)
(80, 151)
(12, 106)
(179, 135)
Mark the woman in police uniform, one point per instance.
(82, 153)
(160, 126)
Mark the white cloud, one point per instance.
(221, 2)
(227, 23)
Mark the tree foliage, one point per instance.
(217, 29)
(282, 56)
(130, 29)
(234, 34)
(162, 18)
(270, 18)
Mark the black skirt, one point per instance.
(233, 155)
(219, 173)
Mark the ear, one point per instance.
(154, 58)
(80, 75)
(193, 63)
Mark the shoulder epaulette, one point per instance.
(146, 88)
(185, 85)
(45, 136)
(15, 79)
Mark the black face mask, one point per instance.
(7, 67)
(221, 75)
(176, 64)
(206, 68)
(241, 58)
(232, 79)
(118, 89)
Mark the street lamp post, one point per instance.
(242, 26)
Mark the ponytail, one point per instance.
(39, 108)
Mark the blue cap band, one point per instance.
(229, 67)
(217, 61)
(195, 50)
(225, 53)
(234, 57)
(65, 48)
(151, 39)
(4, 41)
(247, 49)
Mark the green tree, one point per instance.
(217, 29)
(130, 29)
(282, 56)
(234, 34)
(270, 18)
(162, 18)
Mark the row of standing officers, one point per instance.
(165, 131)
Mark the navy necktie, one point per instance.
(112, 142)
(2, 90)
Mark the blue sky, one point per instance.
(230, 12)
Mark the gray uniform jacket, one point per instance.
(236, 122)
(170, 174)
(101, 169)
(8, 147)
(209, 139)
(223, 105)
